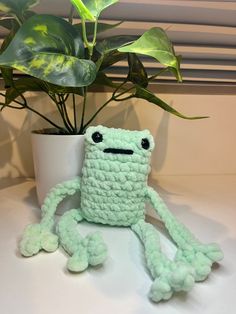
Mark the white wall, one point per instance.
(182, 147)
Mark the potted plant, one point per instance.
(64, 60)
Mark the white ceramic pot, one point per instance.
(57, 158)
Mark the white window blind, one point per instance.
(203, 32)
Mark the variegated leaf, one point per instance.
(155, 43)
(49, 48)
(91, 9)
(113, 43)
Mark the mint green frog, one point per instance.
(114, 191)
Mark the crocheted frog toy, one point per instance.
(114, 191)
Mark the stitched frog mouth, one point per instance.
(118, 151)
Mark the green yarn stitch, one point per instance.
(114, 191)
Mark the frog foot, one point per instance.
(201, 259)
(180, 277)
(36, 238)
(78, 262)
(96, 249)
(92, 251)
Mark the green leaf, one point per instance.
(49, 48)
(104, 80)
(108, 50)
(83, 10)
(28, 14)
(56, 89)
(113, 43)
(16, 7)
(29, 84)
(102, 27)
(91, 9)
(21, 86)
(11, 23)
(176, 71)
(149, 96)
(7, 73)
(156, 44)
(137, 73)
(60, 69)
(9, 37)
(112, 58)
(8, 23)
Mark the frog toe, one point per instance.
(160, 290)
(49, 241)
(29, 247)
(201, 259)
(96, 249)
(214, 252)
(181, 278)
(78, 262)
(30, 243)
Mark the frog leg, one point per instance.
(83, 252)
(189, 248)
(169, 276)
(40, 236)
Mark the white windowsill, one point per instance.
(41, 285)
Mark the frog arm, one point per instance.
(180, 234)
(53, 199)
(40, 236)
(189, 248)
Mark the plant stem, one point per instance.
(65, 113)
(25, 104)
(95, 33)
(97, 112)
(124, 92)
(129, 89)
(11, 106)
(113, 97)
(60, 110)
(125, 98)
(90, 46)
(71, 15)
(116, 97)
(8, 105)
(74, 111)
(84, 33)
(66, 97)
(119, 87)
(18, 19)
(83, 110)
(45, 118)
(159, 73)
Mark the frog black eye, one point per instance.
(97, 137)
(145, 143)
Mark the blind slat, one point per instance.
(203, 32)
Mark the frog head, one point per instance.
(118, 144)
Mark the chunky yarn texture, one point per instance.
(114, 191)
